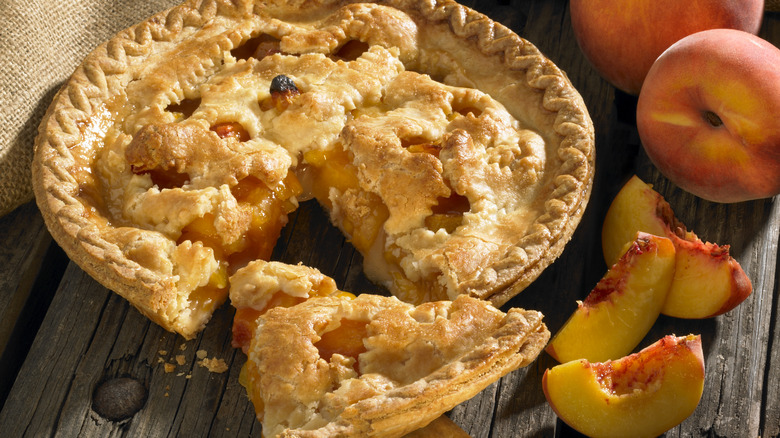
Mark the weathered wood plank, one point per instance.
(30, 267)
(91, 335)
(770, 302)
(22, 247)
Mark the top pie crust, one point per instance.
(440, 103)
(412, 365)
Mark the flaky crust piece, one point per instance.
(122, 229)
(419, 362)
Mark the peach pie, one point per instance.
(451, 153)
(336, 365)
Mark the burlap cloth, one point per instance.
(41, 43)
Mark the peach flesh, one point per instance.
(643, 394)
(708, 281)
(620, 310)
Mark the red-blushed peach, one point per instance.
(707, 115)
(622, 38)
(641, 395)
(707, 280)
(620, 310)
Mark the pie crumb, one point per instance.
(214, 365)
(169, 367)
(201, 354)
(180, 359)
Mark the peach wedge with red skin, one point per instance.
(640, 395)
(707, 280)
(620, 310)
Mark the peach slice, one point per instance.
(707, 280)
(620, 310)
(644, 394)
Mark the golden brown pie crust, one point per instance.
(418, 362)
(498, 124)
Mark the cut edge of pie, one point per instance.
(160, 289)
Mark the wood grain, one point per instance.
(90, 335)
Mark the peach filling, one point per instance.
(231, 129)
(245, 318)
(166, 179)
(448, 213)
(351, 50)
(346, 340)
(249, 374)
(184, 109)
(258, 47)
(334, 168)
(268, 209)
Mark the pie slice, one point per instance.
(261, 285)
(376, 366)
(454, 156)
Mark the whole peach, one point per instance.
(622, 38)
(707, 115)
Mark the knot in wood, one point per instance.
(119, 398)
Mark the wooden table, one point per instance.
(62, 334)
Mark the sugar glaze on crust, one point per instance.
(441, 103)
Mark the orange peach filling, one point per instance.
(268, 208)
(249, 374)
(334, 168)
(207, 298)
(448, 213)
(257, 47)
(183, 109)
(351, 50)
(231, 129)
(244, 324)
(346, 340)
(245, 319)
